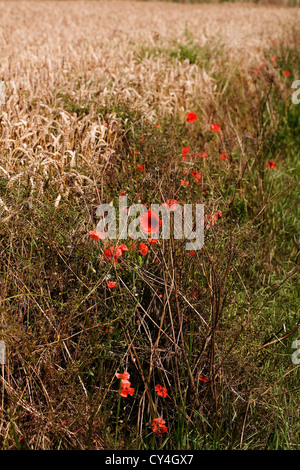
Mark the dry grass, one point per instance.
(85, 81)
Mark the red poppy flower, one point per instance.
(286, 73)
(150, 222)
(124, 376)
(124, 391)
(171, 204)
(184, 153)
(140, 167)
(157, 125)
(223, 156)
(152, 241)
(256, 71)
(108, 252)
(191, 253)
(270, 164)
(161, 391)
(212, 218)
(215, 127)
(203, 378)
(219, 215)
(95, 235)
(158, 426)
(118, 252)
(122, 192)
(123, 247)
(195, 292)
(143, 249)
(125, 384)
(274, 58)
(196, 175)
(111, 284)
(202, 155)
(184, 183)
(192, 117)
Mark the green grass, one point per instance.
(188, 51)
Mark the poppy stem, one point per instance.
(117, 423)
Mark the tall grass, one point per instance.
(229, 311)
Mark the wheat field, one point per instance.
(97, 95)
